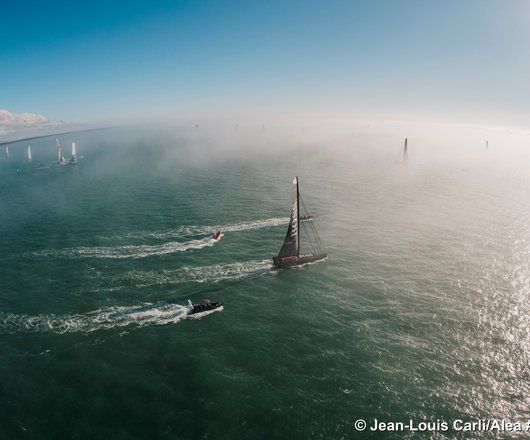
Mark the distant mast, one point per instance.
(29, 153)
(406, 150)
(487, 145)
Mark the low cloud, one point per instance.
(14, 126)
(18, 126)
(13, 121)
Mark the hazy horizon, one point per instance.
(136, 63)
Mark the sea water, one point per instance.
(420, 311)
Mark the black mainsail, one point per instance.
(289, 254)
(291, 243)
(406, 150)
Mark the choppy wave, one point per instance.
(102, 319)
(197, 274)
(130, 251)
(194, 230)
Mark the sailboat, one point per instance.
(29, 154)
(289, 254)
(7, 151)
(73, 159)
(60, 157)
(405, 151)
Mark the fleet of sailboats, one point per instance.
(74, 159)
(295, 250)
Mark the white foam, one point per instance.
(309, 263)
(197, 274)
(148, 250)
(101, 319)
(130, 251)
(193, 230)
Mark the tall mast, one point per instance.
(297, 217)
(289, 254)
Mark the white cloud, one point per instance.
(15, 121)
(18, 126)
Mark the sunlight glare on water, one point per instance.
(420, 311)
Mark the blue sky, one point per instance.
(456, 61)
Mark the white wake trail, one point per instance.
(130, 251)
(194, 230)
(102, 319)
(196, 274)
(148, 250)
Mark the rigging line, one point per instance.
(319, 241)
(318, 238)
(317, 245)
(307, 214)
(308, 235)
(312, 226)
(309, 217)
(310, 221)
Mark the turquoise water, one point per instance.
(420, 311)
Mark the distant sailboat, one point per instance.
(487, 145)
(289, 254)
(60, 157)
(73, 159)
(29, 154)
(406, 150)
(7, 151)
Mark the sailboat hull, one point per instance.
(287, 262)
